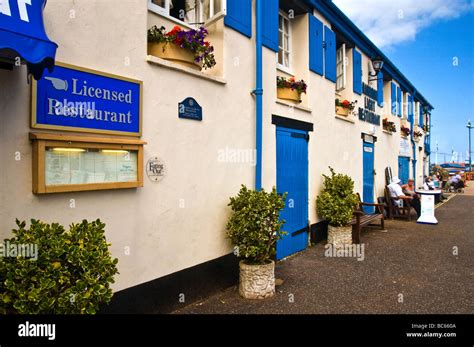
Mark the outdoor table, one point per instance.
(427, 206)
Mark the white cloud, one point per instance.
(389, 22)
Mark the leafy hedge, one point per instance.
(71, 275)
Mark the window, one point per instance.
(191, 12)
(284, 48)
(341, 68)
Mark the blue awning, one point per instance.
(22, 35)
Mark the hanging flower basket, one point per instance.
(389, 126)
(341, 111)
(343, 108)
(172, 52)
(290, 89)
(405, 131)
(288, 94)
(187, 48)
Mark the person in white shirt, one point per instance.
(428, 185)
(457, 181)
(397, 194)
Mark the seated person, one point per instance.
(397, 194)
(456, 181)
(428, 185)
(409, 189)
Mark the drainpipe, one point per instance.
(413, 143)
(259, 95)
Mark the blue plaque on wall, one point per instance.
(189, 109)
(79, 99)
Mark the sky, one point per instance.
(432, 43)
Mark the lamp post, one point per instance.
(469, 127)
(377, 64)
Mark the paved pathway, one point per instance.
(409, 269)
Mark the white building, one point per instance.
(167, 227)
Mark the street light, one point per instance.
(377, 64)
(469, 126)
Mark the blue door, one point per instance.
(403, 169)
(292, 177)
(368, 175)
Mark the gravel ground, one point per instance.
(409, 269)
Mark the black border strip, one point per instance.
(291, 123)
(165, 294)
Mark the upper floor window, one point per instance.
(341, 68)
(191, 12)
(284, 46)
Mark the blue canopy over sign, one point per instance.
(22, 34)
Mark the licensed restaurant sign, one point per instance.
(368, 114)
(78, 99)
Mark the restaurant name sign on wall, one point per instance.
(367, 114)
(79, 99)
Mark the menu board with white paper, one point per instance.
(66, 166)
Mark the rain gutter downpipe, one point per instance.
(412, 138)
(258, 95)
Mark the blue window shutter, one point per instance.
(399, 101)
(357, 73)
(270, 24)
(394, 99)
(315, 45)
(239, 16)
(330, 54)
(421, 121)
(380, 88)
(410, 109)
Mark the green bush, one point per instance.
(254, 226)
(71, 275)
(337, 200)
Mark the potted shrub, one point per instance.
(290, 89)
(254, 227)
(187, 48)
(389, 126)
(336, 204)
(405, 131)
(71, 274)
(343, 108)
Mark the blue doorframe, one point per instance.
(404, 169)
(292, 177)
(368, 175)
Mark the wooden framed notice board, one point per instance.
(69, 163)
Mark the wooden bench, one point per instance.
(362, 219)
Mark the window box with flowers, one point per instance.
(184, 47)
(417, 135)
(405, 131)
(290, 89)
(389, 126)
(343, 108)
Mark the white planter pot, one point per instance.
(340, 236)
(257, 281)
